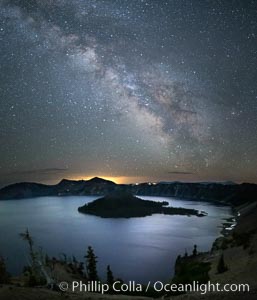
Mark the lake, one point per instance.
(139, 249)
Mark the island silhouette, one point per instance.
(123, 204)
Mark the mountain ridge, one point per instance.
(213, 191)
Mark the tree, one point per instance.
(110, 278)
(81, 268)
(91, 261)
(178, 258)
(4, 276)
(221, 267)
(195, 250)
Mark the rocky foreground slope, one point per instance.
(239, 248)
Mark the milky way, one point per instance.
(132, 90)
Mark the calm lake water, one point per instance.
(138, 249)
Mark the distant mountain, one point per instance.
(25, 190)
(220, 192)
(214, 192)
(98, 180)
(201, 182)
(94, 186)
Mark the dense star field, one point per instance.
(129, 90)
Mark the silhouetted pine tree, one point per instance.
(110, 278)
(91, 261)
(195, 250)
(4, 276)
(178, 258)
(81, 268)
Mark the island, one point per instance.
(123, 204)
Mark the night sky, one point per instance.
(128, 90)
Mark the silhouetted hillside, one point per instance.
(234, 194)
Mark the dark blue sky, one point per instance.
(132, 90)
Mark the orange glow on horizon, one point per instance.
(116, 179)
